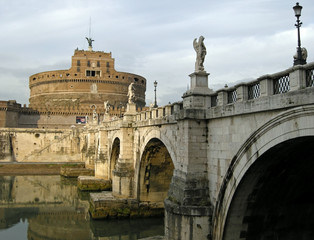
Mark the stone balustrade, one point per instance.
(164, 112)
(293, 79)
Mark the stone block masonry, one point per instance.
(40, 145)
(105, 205)
(90, 183)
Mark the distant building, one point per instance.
(62, 98)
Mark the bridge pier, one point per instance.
(101, 179)
(123, 174)
(191, 218)
(188, 209)
(122, 182)
(89, 156)
(102, 160)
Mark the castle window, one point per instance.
(117, 76)
(107, 64)
(34, 79)
(88, 63)
(98, 64)
(78, 63)
(136, 79)
(92, 73)
(78, 69)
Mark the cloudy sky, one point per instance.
(244, 39)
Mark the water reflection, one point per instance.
(54, 209)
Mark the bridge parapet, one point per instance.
(292, 79)
(161, 115)
(284, 89)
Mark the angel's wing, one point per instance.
(195, 43)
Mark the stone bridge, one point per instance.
(232, 164)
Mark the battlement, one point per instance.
(83, 53)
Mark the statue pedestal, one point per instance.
(130, 111)
(199, 94)
(106, 118)
(199, 83)
(130, 108)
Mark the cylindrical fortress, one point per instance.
(89, 82)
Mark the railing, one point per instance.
(232, 96)
(294, 78)
(214, 100)
(282, 84)
(310, 78)
(254, 90)
(163, 112)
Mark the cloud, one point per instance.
(244, 39)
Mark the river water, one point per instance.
(52, 208)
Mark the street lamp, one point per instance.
(298, 59)
(155, 85)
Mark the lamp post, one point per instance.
(298, 59)
(155, 85)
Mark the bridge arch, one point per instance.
(114, 155)
(154, 168)
(268, 174)
(156, 133)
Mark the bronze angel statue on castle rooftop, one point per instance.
(90, 41)
(200, 50)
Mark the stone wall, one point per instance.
(9, 113)
(37, 145)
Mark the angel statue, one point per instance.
(131, 93)
(106, 107)
(90, 41)
(200, 50)
(95, 115)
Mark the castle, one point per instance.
(62, 98)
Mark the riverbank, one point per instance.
(32, 168)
